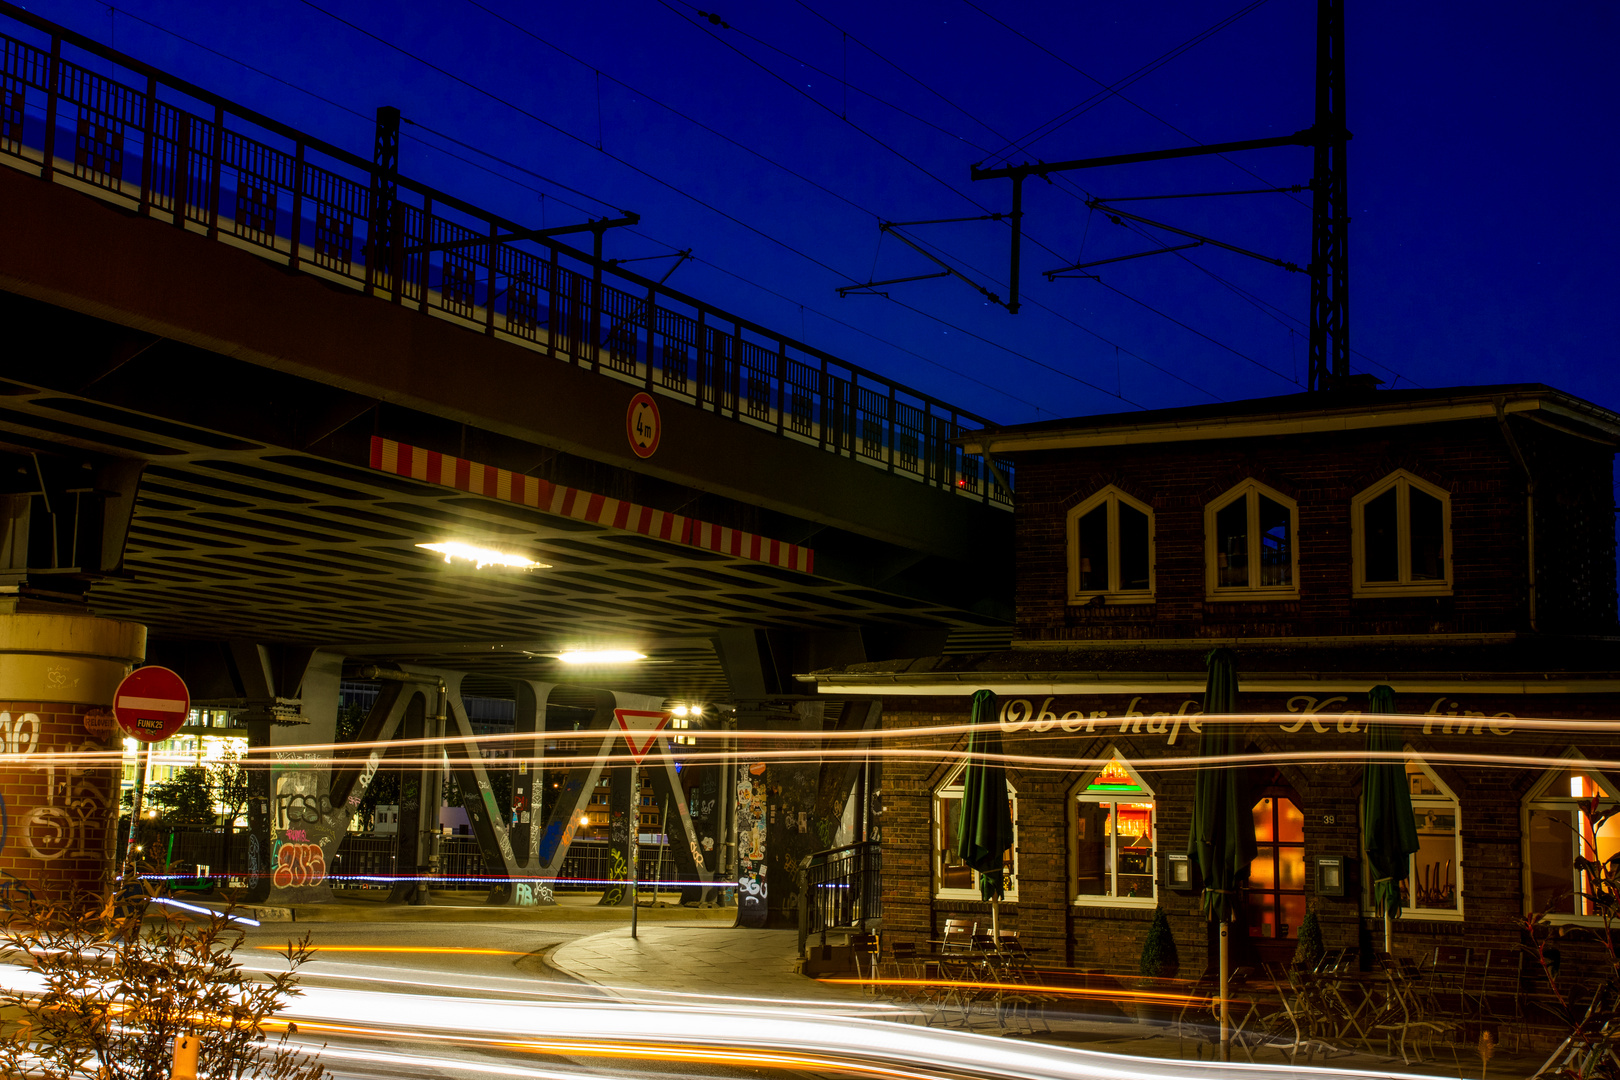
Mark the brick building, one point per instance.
(1458, 545)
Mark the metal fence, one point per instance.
(843, 888)
(171, 151)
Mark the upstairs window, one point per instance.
(1114, 836)
(954, 879)
(1557, 829)
(1251, 536)
(1111, 549)
(1402, 537)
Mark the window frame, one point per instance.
(1113, 594)
(1538, 798)
(1077, 794)
(1449, 798)
(953, 779)
(1400, 480)
(1250, 490)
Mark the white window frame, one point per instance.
(1538, 797)
(953, 779)
(1113, 594)
(1250, 490)
(1400, 480)
(1077, 794)
(1447, 799)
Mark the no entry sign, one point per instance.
(151, 703)
(640, 729)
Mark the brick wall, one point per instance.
(60, 811)
(1575, 540)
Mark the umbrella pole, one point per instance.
(1387, 933)
(1226, 1008)
(995, 922)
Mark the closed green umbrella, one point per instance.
(984, 831)
(1388, 827)
(1222, 840)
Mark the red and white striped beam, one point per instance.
(445, 470)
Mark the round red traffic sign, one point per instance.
(643, 425)
(151, 703)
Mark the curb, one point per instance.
(342, 911)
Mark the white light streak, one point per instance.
(482, 557)
(601, 656)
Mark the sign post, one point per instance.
(641, 729)
(149, 705)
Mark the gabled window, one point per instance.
(1556, 828)
(1401, 537)
(1251, 538)
(1110, 549)
(1434, 881)
(954, 879)
(1114, 835)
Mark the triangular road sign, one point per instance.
(641, 729)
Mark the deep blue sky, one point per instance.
(1481, 173)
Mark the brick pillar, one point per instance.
(59, 780)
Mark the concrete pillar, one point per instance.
(59, 777)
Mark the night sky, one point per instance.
(773, 138)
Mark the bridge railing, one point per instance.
(168, 150)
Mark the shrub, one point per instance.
(1308, 953)
(1159, 959)
(115, 987)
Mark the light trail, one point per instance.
(439, 949)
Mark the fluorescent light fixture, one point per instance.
(600, 656)
(482, 557)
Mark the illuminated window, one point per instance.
(1114, 837)
(1557, 829)
(1110, 542)
(1276, 896)
(1433, 888)
(1402, 537)
(953, 878)
(1251, 533)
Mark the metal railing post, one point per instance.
(52, 97)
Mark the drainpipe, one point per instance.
(1529, 501)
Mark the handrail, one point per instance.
(843, 886)
(175, 152)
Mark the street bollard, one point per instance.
(185, 1058)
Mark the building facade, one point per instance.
(1457, 545)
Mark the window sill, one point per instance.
(1116, 901)
(1384, 592)
(1251, 595)
(972, 894)
(1416, 915)
(1111, 599)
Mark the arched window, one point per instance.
(1110, 541)
(1557, 829)
(953, 879)
(1114, 836)
(1434, 882)
(1401, 538)
(1251, 540)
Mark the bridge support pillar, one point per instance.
(58, 672)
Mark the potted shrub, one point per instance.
(1308, 953)
(1159, 962)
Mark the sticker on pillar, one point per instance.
(151, 703)
(643, 425)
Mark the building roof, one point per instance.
(1291, 414)
(1455, 664)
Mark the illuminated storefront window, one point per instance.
(1557, 829)
(1276, 896)
(952, 878)
(1114, 837)
(1434, 884)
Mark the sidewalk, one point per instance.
(464, 907)
(699, 959)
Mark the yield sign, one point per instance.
(640, 729)
(151, 703)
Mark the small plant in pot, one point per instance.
(1308, 953)
(1159, 963)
